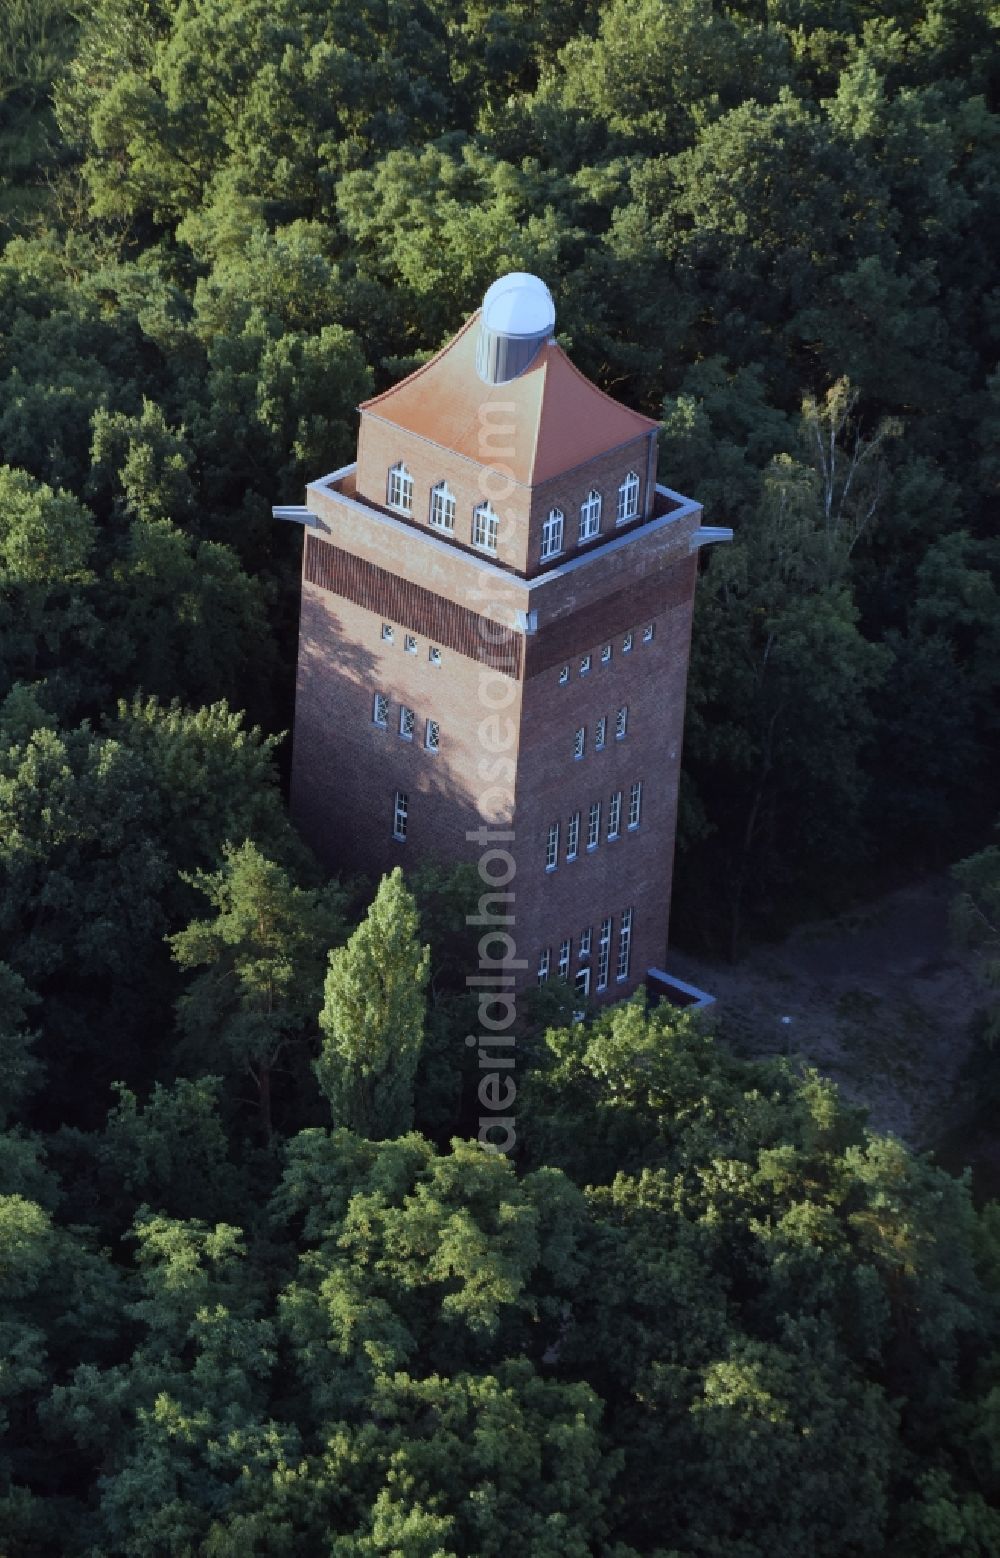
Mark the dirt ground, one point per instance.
(879, 999)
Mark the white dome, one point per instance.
(519, 305)
(518, 317)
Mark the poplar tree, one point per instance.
(373, 1017)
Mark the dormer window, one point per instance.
(400, 489)
(485, 526)
(552, 534)
(628, 498)
(590, 515)
(442, 507)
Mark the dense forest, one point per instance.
(260, 1292)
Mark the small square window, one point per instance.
(380, 709)
(407, 720)
(585, 665)
(387, 632)
(434, 655)
(432, 738)
(564, 676)
(410, 644)
(647, 633)
(627, 644)
(605, 654)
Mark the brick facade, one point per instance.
(492, 650)
(522, 510)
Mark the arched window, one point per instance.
(485, 525)
(400, 489)
(590, 515)
(552, 534)
(442, 507)
(628, 498)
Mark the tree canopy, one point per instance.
(260, 1291)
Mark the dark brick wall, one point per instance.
(359, 571)
(397, 600)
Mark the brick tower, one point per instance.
(495, 626)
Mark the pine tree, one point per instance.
(373, 1017)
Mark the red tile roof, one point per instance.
(546, 421)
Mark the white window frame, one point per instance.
(624, 946)
(585, 940)
(399, 488)
(409, 644)
(605, 654)
(581, 983)
(544, 959)
(573, 836)
(432, 736)
(604, 953)
(565, 953)
(647, 632)
(594, 825)
(564, 676)
(552, 847)
(380, 710)
(627, 644)
(590, 515)
(407, 722)
(585, 664)
(400, 816)
(615, 815)
(635, 805)
(434, 655)
(621, 723)
(442, 509)
(552, 534)
(601, 733)
(388, 635)
(580, 741)
(628, 499)
(485, 527)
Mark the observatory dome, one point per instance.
(518, 317)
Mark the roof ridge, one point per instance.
(547, 357)
(366, 405)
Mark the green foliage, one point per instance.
(20, 1072)
(264, 954)
(46, 539)
(709, 1314)
(373, 1016)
